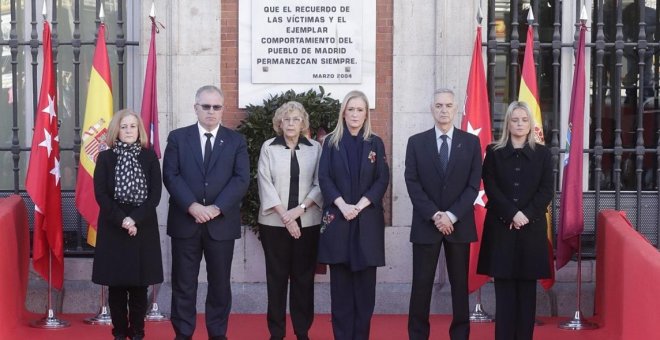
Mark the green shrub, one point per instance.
(257, 127)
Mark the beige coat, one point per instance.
(273, 177)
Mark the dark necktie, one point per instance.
(444, 153)
(207, 150)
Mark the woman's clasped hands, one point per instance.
(129, 224)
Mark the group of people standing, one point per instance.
(319, 204)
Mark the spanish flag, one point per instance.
(529, 94)
(98, 113)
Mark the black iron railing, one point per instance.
(72, 85)
(624, 124)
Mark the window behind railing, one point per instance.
(74, 25)
(623, 151)
(623, 128)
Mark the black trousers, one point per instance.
(515, 309)
(425, 262)
(353, 297)
(128, 307)
(186, 257)
(290, 263)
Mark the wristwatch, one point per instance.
(304, 207)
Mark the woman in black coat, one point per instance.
(517, 174)
(127, 186)
(353, 175)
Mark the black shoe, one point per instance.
(137, 337)
(120, 337)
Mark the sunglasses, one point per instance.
(207, 107)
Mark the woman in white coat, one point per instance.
(289, 219)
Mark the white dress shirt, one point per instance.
(202, 138)
(439, 142)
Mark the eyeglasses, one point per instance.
(289, 120)
(207, 107)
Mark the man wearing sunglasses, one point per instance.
(206, 170)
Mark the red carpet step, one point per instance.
(253, 327)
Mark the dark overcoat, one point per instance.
(335, 181)
(121, 259)
(516, 180)
(430, 191)
(224, 183)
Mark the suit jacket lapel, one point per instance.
(456, 149)
(195, 144)
(432, 147)
(217, 146)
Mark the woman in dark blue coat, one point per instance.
(353, 175)
(517, 174)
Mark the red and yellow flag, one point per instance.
(98, 113)
(529, 94)
(477, 122)
(43, 177)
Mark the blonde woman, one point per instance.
(517, 174)
(354, 175)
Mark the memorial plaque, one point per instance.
(307, 42)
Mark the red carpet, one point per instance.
(253, 327)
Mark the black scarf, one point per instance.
(130, 183)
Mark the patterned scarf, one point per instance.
(130, 183)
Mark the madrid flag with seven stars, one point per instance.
(43, 177)
(477, 122)
(529, 94)
(98, 113)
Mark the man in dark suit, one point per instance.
(206, 170)
(443, 170)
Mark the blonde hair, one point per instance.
(113, 127)
(506, 135)
(336, 134)
(290, 107)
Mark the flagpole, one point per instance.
(50, 321)
(475, 112)
(154, 314)
(578, 322)
(479, 315)
(103, 316)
